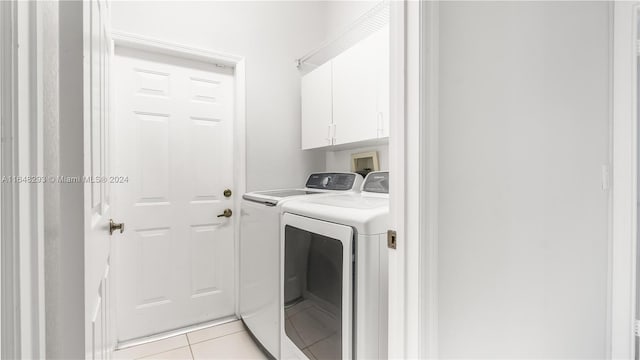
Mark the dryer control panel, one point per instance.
(334, 181)
(377, 182)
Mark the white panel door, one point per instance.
(97, 195)
(174, 133)
(316, 108)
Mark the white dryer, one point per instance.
(259, 297)
(334, 274)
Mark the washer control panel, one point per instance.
(334, 181)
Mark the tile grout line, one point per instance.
(216, 337)
(162, 352)
(190, 349)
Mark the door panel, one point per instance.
(154, 152)
(174, 130)
(153, 253)
(205, 274)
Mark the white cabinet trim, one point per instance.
(623, 237)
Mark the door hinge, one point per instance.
(392, 239)
(636, 328)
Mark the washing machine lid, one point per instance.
(286, 193)
(273, 197)
(317, 183)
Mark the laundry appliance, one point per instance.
(260, 215)
(334, 278)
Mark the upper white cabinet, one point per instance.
(346, 100)
(316, 108)
(358, 95)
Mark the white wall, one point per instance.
(341, 14)
(271, 35)
(523, 219)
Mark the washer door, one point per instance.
(317, 288)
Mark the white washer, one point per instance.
(334, 274)
(259, 304)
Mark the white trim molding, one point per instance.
(624, 190)
(397, 286)
(122, 38)
(10, 274)
(413, 176)
(22, 227)
(413, 148)
(413, 193)
(429, 160)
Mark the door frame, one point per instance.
(139, 42)
(21, 211)
(624, 220)
(413, 144)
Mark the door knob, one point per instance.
(115, 226)
(226, 213)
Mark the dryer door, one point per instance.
(317, 288)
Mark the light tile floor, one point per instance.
(226, 341)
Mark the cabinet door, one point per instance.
(383, 73)
(316, 108)
(357, 74)
(355, 95)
